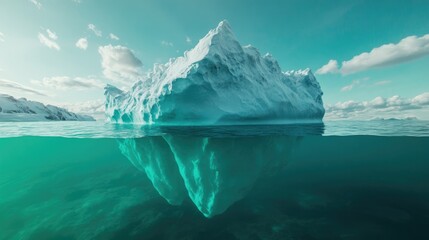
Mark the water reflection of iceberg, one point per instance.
(213, 171)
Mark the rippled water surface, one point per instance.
(107, 130)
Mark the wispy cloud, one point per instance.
(120, 64)
(166, 43)
(407, 49)
(94, 108)
(394, 106)
(65, 83)
(82, 43)
(350, 86)
(36, 3)
(354, 84)
(113, 37)
(49, 41)
(381, 83)
(51, 34)
(188, 39)
(94, 29)
(1, 37)
(8, 85)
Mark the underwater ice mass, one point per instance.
(213, 172)
(218, 82)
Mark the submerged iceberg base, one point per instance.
(213, 172)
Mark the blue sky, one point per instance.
(59, 52)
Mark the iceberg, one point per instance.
(213, 172)
(218, 82)
(23, 110)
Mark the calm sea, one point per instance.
(337, 180)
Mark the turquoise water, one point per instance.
(99, 181)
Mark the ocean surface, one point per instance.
(94, 180)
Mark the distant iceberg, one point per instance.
(218, 82)
(23, 110)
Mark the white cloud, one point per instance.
(351, 86)
(330, 67)
(65, 83)
(188, 39)
(113, 37)
(94, 108)
(166, 43)
(422, 99)
(347, 87)
(82, 43)
(8, 85)
(358, 82)
(120, 64)
(94, 29)
(407, 49)
(36, 3)
(51, 34)
(48, 42)
(1, 37)
(392, 107)
(381, 83)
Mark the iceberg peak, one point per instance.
(217, 41)
(223, 28)
(224, 24)
(112, 90)
(218, 82)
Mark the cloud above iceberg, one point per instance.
(407, 49)
(7, 85)
(82, 43)
(65, 83)
(49, 40)
(355, 83)
(119, 63)
(167, 43)
(394, 106)
(350, 86)
(36, 3)
(52, 35)
(330, 67)
(113, 37)
(94, 29)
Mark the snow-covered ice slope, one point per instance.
(218, 82)
(23, 110)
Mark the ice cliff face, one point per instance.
(23, 110)
(218, 82)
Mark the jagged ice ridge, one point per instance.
(218, 82)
